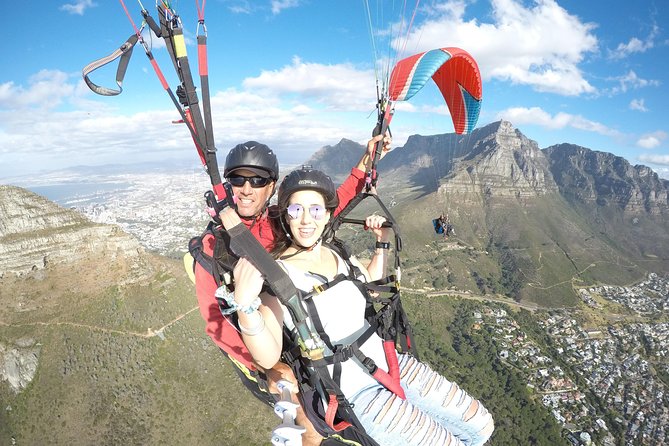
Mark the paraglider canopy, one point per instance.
(457, 76)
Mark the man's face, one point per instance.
(250, 200)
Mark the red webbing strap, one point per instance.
(197, 146)
(203, 65)
(330, 413)
(200, 10)
(393, 369)
(204, 84)
(166, 86)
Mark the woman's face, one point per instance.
(306, 216)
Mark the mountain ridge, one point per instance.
(519, 206)
(35, 231)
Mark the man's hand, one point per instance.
(371, 145)
(374, 223)
(366, 160)
(229, 218)
(277, 373)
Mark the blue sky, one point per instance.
(299, 74)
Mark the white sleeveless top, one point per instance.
(341, 309)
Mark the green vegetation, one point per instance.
(447, 341)
(104, 378)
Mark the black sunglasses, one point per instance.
(239, 180)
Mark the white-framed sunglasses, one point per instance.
(316, 211)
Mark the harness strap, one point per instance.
(342, 353)
(333, 407)
(337, 403)
(244, 244)
(318, 289)
(385, 115)
(202, 134)
(316, 319)
(203, 65)
(124, 52)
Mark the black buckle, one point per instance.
(370, 365)
(342, 353)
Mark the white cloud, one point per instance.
(78, 7)
(538, 116)
(635, 45)
(46, 89)
(339, 87)
(655, 159)
(631, 81)
(240, 6)
(662, 172)
(651, 140)
(638, 104)
(291, 109)
(280, 5)
(540, 46)
(293, 130)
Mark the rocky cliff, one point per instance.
(35, 232)
(18, 363)
(502, 162)
(603, 179)
(497, 160)
(337, 159)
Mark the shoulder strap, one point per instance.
(211, 251)
(338, 246)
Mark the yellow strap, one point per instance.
(189, 265)
(245, 370)
(179, 45)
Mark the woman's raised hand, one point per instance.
(374, 222)
(248, 282)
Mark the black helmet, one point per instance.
(307, 178)
(252, 156)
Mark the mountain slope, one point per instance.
(35, 232)
(629, 205)
(104, 343)
(91, 352)
(530, 223)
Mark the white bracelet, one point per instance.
(253, 331)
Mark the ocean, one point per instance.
(79, 194)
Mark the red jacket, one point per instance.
(222, 330)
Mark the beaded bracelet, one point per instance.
(232, 305)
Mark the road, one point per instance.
(530, 306)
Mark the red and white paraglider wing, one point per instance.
(457, 76)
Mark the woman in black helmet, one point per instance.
(428, 409)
